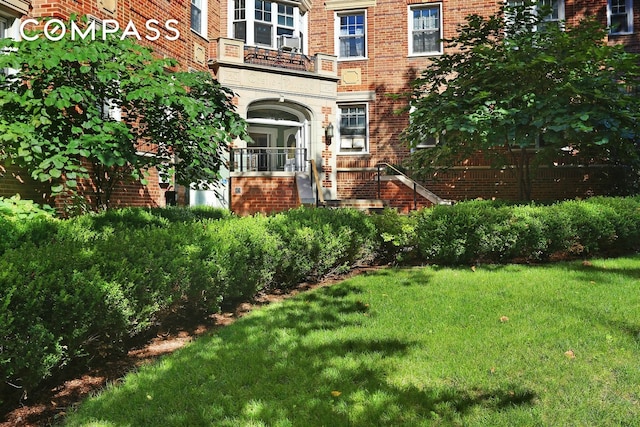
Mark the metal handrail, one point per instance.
(315, 178)
(428, 194)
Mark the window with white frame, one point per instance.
(352, 40)
(240, 20)
(4, 25)
(8, 31)
(556, 8)
(263, 27)
(425, 29)
(199, 16)
(266, 23)
(620, 16)
(554, 17)
(353, 128)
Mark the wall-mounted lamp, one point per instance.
(328, 133)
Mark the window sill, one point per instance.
(425, 55)
(345, 153)
(354, 58)
(203, 37)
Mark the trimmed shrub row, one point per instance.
(484, 231)
(84, 286)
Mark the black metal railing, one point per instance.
(278, 58)
(387, 169)
(263, 159)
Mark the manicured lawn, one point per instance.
(551, 345)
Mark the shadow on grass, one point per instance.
(280, 367)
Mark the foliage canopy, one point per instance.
(113, 104)
(513, 82)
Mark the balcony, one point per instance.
(278, 59)
(234, 53)
(277, 159)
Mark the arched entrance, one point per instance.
(280, 133)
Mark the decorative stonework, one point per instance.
(20, 6)
(109, 6)
(348, 4)
(351, 76)
(199, 54)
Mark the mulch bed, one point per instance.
(48, 405)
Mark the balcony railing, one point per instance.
(233, 53)
(279, 159)
(278, 58)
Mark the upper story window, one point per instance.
(425, 30)
(263, 27)
(239, 20)
(352, 35)
(555, 15)
(266, 23)
(353, 129)
(557, 10)
(4, 27)
(199, 16)
(620, 16)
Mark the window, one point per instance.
(620, 16)
(8, 31)
(351, 35)
(265, 23)
(109, 110)
(556, 8)
(239, 20)
(425, 30)
(4, 27)
(199, 16)
(554, 17)
(262, 25)
(286, 22)
(353, 128)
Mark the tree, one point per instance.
(109, 109)
(512, 82)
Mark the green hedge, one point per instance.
(84, 286)
(485, 231)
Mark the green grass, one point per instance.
(421, 346)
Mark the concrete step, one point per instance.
(365, 205)
(305, 191)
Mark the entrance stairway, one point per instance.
(394, 189)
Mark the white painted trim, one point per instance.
(410, 9)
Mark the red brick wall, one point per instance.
(139, 11)
(550, 183)
(126, 193)
(263, 194)
(15, 181)
(357, 185)
(401, 197)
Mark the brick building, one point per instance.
(312, 80)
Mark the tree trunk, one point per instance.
(521, 162)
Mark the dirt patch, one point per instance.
(49, 404)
